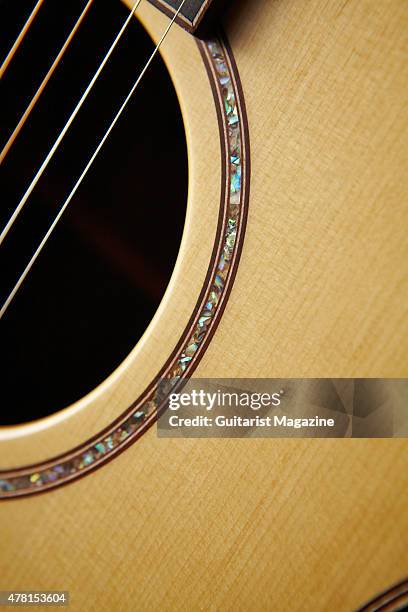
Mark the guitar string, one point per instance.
(20, 38)
(56, 144)
(88, 165)
(44, 82)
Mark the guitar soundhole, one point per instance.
(100, 279)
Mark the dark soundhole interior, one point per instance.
(100, 278)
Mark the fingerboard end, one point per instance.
(196, 16)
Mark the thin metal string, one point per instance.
(66, 127)
(20, 38)
(88, 165)
(45, 80)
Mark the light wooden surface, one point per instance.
(321, 291)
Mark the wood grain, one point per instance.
(321, 291)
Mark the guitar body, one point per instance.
(320, 291)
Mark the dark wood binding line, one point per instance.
(24, 472)
(392, 600)
(196, 16)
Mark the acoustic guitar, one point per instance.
(292, 264)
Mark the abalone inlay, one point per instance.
(235, 147)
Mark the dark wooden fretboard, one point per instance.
(194, 16)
